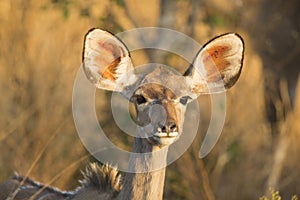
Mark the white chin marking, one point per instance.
(173, 134)
(163, 134)
(165, 138)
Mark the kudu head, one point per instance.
(161, 96)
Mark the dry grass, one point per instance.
(41, 44)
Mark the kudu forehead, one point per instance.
(162, 84)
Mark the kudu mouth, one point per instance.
(163, 138)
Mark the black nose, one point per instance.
(168, 127)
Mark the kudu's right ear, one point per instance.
(217, 65)
(106, 61)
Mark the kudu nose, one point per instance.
(168, 127)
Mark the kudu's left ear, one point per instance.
(217, 65)
(106, 61)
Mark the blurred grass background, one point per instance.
(40, 53)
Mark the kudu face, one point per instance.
(160, 104)
(160, 97)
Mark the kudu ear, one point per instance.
(106, 61)
(217, 65)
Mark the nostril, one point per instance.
(163, 129)
(172, 127)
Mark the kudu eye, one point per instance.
(184, 100)
(140, 99)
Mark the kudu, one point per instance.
(160, 98)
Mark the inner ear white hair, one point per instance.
(218, 65)
(106, 61)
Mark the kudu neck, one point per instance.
(146, 176)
